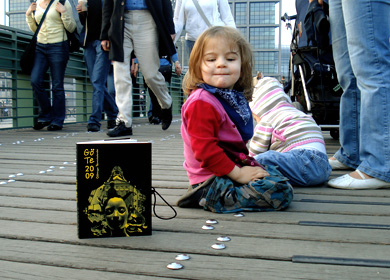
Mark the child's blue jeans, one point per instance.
(303, 167)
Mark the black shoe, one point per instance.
(111, 124)
(120, 130)
(54, 127)
(40, 125)
(166, 118)
(154, 120)
(93, 127)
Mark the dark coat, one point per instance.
(91, 21)
(113, 26)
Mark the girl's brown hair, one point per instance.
(193, 77)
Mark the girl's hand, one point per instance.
(31, 9)
(60, 8)
(247, 173)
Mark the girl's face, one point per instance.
(221, 65)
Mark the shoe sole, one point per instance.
(41, 127)
(92, 130)
(119, 134)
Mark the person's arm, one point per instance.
(261, 139)
(134, 67)
(168, 14)
(108, 7)
(203, 123)
(176, 63)
(177, 9)
(226, 13)
(66, 15)
(29, 17)
(178, 19)
(82, 14)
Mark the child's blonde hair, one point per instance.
(193, 76)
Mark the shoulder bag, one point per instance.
(28, 56)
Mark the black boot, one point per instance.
(166, 118)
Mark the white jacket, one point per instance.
(186, 15)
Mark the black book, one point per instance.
(114, 188)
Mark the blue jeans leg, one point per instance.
(41, 66)
(363, 68)
(98, 66)
(54, 56)
(110, 83)
(109, 106)
(303, 167)
(189, 46)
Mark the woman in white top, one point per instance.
(52, 51)
(186, 15)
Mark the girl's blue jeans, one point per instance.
(303, 167)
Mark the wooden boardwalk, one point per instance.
(325, 233)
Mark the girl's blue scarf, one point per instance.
(237, 108)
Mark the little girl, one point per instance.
(217, 120)
(287, 137)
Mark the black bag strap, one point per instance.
(154, 192)
(42, 19)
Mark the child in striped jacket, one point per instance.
(287, 137)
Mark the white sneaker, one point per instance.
(349, 183)
(336, 165)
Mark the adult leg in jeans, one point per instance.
(41, 66)
(362, 56)
(348, 154)
(110, 83)
(58, 56)
(109, 107)
(189, 46)
(98, 66)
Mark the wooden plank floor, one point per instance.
(325, 233)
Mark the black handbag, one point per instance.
(73, 37)
(73, 40)
(28, 56)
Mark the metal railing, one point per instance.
(18, 108)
